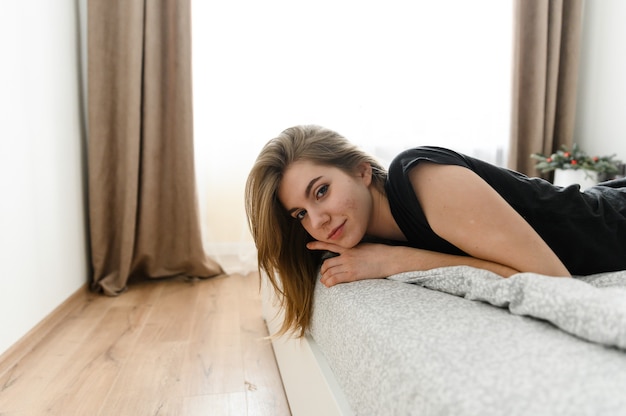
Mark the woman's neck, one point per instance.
(382, 224)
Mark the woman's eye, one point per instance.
(321, 191)
(300, 215)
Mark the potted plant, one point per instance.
(575, 166)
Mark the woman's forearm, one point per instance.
(375, 261)
(409, 259)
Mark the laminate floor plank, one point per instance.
(170, 347)
(214, 364)
(227, 404)
(25, 384)
(81, 387)
(264, 388)
(150, 382)
(157, 371)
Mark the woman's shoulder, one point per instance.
(409, 158)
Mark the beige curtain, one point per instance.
(545, 72)
(143, 209)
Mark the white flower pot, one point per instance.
(582, 177)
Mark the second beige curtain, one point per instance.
(546, 54)
(142, 197)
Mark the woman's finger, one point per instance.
(321, 245)
(329, 263)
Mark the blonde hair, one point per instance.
(280, 240)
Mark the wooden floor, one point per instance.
(163, 348)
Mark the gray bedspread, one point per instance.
(461, 341)
(591, 307)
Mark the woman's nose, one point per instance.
(318, 218)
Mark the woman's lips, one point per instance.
(336, 233)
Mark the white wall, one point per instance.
(43, 249)
(601, 113)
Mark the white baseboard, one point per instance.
(309, 382)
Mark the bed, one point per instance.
(459, 341)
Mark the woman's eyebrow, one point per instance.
(307, 191)
(310, 186)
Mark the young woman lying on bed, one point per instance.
(311, 192)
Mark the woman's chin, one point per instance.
(349, 242)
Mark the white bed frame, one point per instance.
(309, 383)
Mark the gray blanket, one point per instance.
(417, 344)
(591, 307)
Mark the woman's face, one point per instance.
(331, 205)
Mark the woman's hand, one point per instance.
(364, 261)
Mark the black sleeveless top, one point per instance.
(586, 230)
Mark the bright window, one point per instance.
(387, 74)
